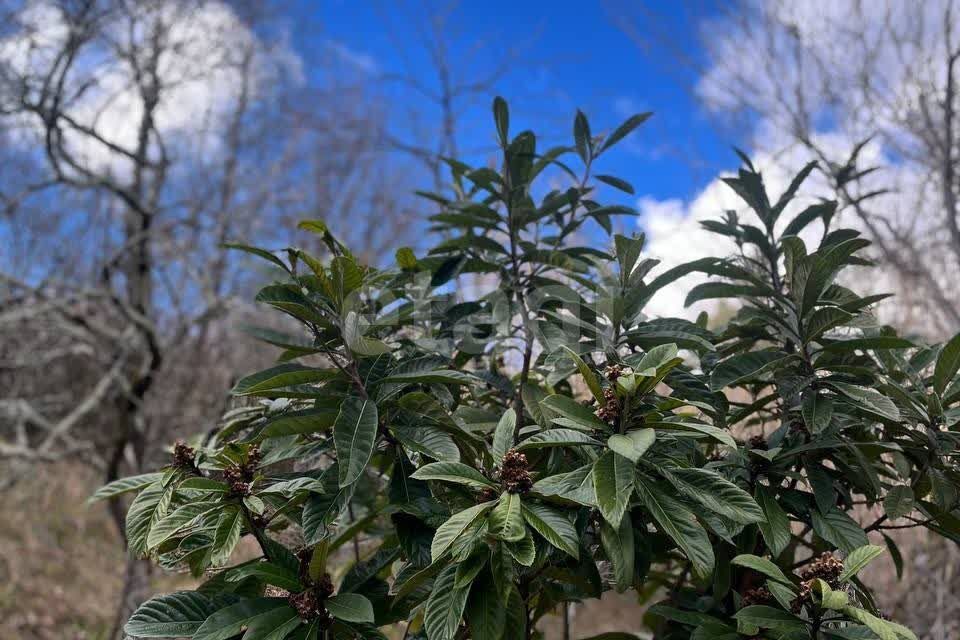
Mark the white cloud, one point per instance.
(756, 68)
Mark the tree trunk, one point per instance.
(136, 589)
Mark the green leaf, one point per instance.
(883, 629)
(172, 615)
(716, 493)
(501, 117)
(817, 410)
(445, 606)
(618, 544)
(406, 258)
(430, 441)
(299, 422)
(588, 376)
(624, 130)
(266, 572)
(678, 522)
(869, 400)
(571, 413)
(581, 137)
(613, 483)
(948, 363)
(230, 621)
(455, 472)
(744, 367)
(450, 530)
(898, 502)
(485, 611)
(632, 444)
(839, 529)
(553, 526)
(829, 599)
(857, 559)
(769, 618)
(523, 551)
(657, 357)
(506, 519)
(260, 253)
(227, 535)
(616, 183)
(124, 485)
(280, 376)
(274, 625)
(775, 527)
(355, 435)
(180, 519)
(353, 329)
(439, 376)
(351, 607)
(824, 319)
(764, 566)
(556, 438)
(503, 435)
(145, 511)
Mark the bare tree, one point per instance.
(145, 135)
(870, 90)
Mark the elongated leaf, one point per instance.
(588, 376)
(869, 400)
(618, 544)
(445, 606)
(553, 526)
(716, 493)
(769, 618)
(227, 535)
(485, 611)
(231, 620)
(613, 482)
(125, 485)
(351, 607)
(455, 472)
(557, 438)
(358, 343)
(624, 129)
(680, 524)
(172, 615)
(280, 376)
(180, 519)
(503, 435)
(898, 502)
(743, 367)
(633, 444)
(817, 410)
(148, 508)
(299, 422)
(858, 559)
(266, 572)
(506, 519)
(564, 410)
(450, 530)
(439, 376)
(775, 527)
(355, 435)
(948, 363)
(839, 529)
(764, 566)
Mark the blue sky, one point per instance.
(570, 55)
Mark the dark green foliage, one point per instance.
(503, 453)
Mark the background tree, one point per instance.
(870, 90)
